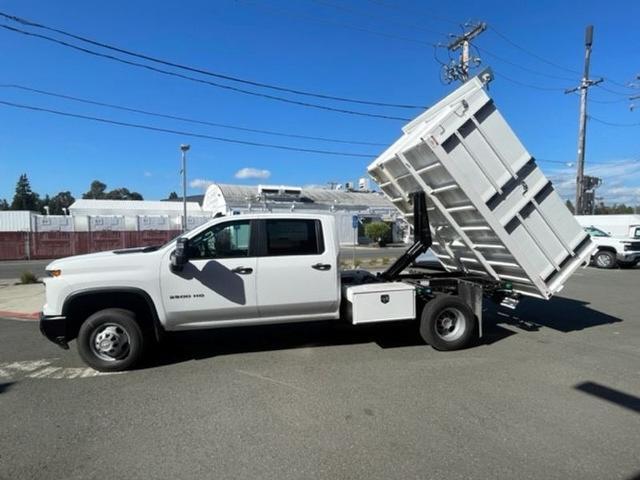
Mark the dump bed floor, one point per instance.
(492, 211)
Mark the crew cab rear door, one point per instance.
(298, 269)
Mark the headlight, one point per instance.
(54, 273)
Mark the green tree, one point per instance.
(123, 194)
(4, 205)
(173, 196)
(59, 202)
(24, 198)
(378, 232)
(96, 191)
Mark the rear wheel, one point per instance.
(604, 259)
(111, 340)
(447, 323)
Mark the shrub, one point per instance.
(28, 277)
(377, 231)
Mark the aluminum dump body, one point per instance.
(492, 211)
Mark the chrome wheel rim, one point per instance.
(603, 260)
(450, 324)
(110, 342)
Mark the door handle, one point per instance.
(321, 266)
(242, 270)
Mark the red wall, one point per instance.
(23, 245)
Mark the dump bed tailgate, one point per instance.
(492, 211)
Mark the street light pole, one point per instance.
(184, 148)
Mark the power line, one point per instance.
(521, 67)
(528, 85)
(199, 80)
(369, 15)
(614, 124)
(529, 52)
(185, 119)
(617, 100)
(606, 89)
(203, 71)
(431, 15)
(339, 24)
(549, 62)
(184, 133)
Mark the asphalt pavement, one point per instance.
(551, 392)
(12, 269)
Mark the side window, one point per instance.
(294, 237)
(224, 240)
(636, 233)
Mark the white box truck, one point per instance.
(458, 173)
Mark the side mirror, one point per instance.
(179, 256)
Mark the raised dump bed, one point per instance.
(492, 212)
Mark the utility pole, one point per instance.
(184, 148)
(460, 70)
(582, 127)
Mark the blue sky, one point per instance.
(367, 49)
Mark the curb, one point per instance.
(19, 315)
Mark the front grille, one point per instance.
(633, 246)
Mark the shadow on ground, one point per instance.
(4, 387)
(562, 314)
(182, 346)
(617, 397)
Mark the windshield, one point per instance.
(596, 232)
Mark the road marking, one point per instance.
(43, 369)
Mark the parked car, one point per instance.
(613, 251)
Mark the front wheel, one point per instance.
(447, 323)
(111, 340)
(605, 259)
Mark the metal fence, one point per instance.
(44, 245)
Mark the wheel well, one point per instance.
(78, 308)
(606, 249)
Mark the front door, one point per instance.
(217, 284)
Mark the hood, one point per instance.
(109, 258)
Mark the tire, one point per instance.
(604, 259)
(111, 340)
(447, 323)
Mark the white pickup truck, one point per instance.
(612, 251)
(458, 173)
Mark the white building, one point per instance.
(94, 215)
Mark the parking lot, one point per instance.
(551, 392)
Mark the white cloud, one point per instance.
(620, 180)
(148, 174)
(252, 173)
(201, 183)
